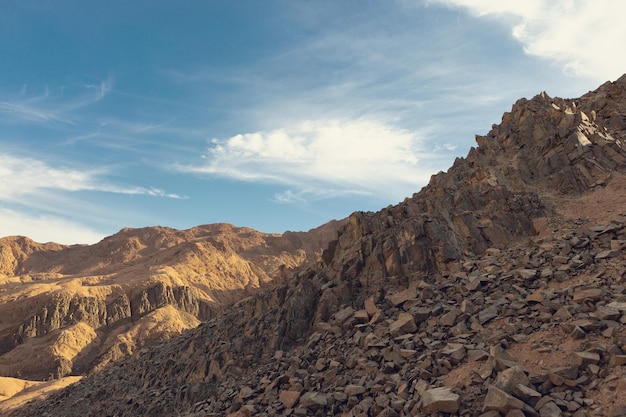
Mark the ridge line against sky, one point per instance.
(278, 116)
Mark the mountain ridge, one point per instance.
(76, 308)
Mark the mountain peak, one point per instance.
(564, 145)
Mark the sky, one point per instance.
(277, 115)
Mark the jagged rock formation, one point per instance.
(76, 308)
(497, 290)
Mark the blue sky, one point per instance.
(278, 115)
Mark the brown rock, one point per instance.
(562, 314)
(354, 389)
(606, 254)
(550, 409)
(592, 294)
(536, 297)
(499, 400)
(449, 319)
(527, 273)
(617, 360)
(370, 307)
(440, 400)
(526, 394)
(488, 314)
(404, 324)
(508, 379)
(474, 355)
(501, 359)
(361, 316)
(344, 314)
(586, 358)
(289, 398)
(313, 400)
(607, 313)
(402, 296)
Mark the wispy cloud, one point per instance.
(43, 106)
(324, 158)
(26, 176)
(584, 37)
(31, 113)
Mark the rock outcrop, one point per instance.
(497, 290)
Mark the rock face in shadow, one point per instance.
(479, 294)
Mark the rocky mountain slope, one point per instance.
(69, 310)
(497, 290)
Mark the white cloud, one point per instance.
(45, 228)
(585, 37)
(27, 176)
(325, 158)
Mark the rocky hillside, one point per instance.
(69, 310)
(497, 290)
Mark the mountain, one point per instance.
(70, 310)
(497, 290)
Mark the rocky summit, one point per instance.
(497, 290)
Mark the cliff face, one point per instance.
(496, 289)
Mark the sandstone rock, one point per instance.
(499, 400)
(361, 316)
(354, 389)
(562, 314)
(526, 394)
(617, 360)
(440, 400)
(488, 314)
(586, 358)
(370, 307)
(607, 313)
(289, 398)
(402, 296)
(527, 273)
(313, 400)
(536, 297)
(592, 294)
(508, 379)
(550, 409)
(606, 254)
(344, 314)
(404, 324)
(501, 359)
